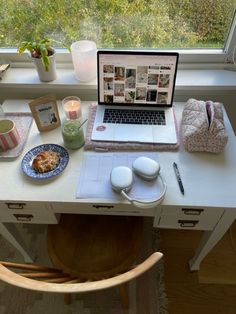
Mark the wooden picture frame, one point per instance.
(45, 112)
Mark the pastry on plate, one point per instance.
(46, 161)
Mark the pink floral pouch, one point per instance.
(203, 126)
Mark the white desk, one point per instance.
(209, 202)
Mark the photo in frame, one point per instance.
(45, 112)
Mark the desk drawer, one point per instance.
(112, 209)
(189, 218)
(37, 217)
(20, 212)
(20, 206)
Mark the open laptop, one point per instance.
(135, 95)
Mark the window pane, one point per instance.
(118, 23)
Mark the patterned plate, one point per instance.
(26, 164)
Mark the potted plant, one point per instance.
(43, 56)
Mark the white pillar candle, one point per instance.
(84, 57)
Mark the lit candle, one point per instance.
(72, 107)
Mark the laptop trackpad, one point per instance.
(133, 133)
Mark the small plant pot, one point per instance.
(46, 76)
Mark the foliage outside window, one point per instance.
(118, 23)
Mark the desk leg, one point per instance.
(11, 234)
(210, 239)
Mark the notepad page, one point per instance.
(94, 177)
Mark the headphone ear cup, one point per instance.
(146, 168)
(121, 179)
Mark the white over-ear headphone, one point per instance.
(122, 178)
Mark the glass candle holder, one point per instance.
(84, 57)
(72, 131)
(72, 107)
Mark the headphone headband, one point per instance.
(122, 178)
(147, 204)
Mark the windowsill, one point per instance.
(27, 77)
(200, 78)
(25, 81)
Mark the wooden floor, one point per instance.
(212, 290)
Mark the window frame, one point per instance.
(230, 43)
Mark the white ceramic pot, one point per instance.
(46, 76)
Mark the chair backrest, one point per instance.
(48, 279)
(89, 253)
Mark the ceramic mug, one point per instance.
(9, 136)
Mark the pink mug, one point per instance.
(9, 136)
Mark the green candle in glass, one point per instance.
(72, 131)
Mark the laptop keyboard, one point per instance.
(129, 116)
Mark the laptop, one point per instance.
(135, 96)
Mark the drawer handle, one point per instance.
(23, 218)
(124, 211)
(103, 206)
(188, 223)
(193, 211)
(15, 205)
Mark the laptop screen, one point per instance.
(136, 78)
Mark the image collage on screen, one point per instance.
(151, 84)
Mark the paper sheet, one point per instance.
(94, 178)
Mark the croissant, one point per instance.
(46, 161)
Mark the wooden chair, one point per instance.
(89, 253)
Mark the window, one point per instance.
(154, 24)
